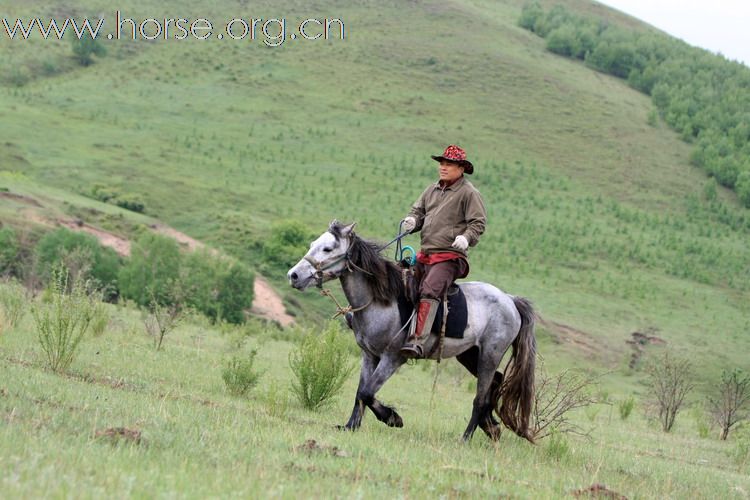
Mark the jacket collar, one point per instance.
(453, 186)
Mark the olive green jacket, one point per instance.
(443, 214)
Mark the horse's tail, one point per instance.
(518, 384)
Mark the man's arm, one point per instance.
(476, 218)
(417, 212)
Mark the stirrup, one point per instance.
(412, 351)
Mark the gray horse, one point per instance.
(496, 321)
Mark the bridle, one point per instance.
(321, 267)
(322, 275)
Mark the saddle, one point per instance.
(458, 313)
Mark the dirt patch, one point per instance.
(19, 198)
(639, 341)
(598, 491)
(311, 446)
(116, 435)
(580, 340)
(267, 303)
(107, 239)
(183, 239)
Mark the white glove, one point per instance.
(460, 243)
(409, 224)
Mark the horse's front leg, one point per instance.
(386, 367)
(369, 362)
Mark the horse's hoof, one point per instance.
(395, 421)
(346, 427)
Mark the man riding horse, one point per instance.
(451, 216)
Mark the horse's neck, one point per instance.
(355, 287)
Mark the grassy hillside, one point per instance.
(594, 214)
(187, 437)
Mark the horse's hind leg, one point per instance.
(488, 359)
(487, 422)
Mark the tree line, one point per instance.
(703, 96)
(156, 273)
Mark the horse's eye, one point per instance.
(328, 250)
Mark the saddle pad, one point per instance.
(458, 314)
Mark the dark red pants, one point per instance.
(436, 278)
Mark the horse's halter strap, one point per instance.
(322, 266)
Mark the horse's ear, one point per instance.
(347, 230)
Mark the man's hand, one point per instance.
(409, 224)
(460, 243)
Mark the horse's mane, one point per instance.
(382, 275)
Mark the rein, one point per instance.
(341, 311)
(321, 268)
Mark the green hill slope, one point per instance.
(594, 214)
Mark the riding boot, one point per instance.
(425, 317)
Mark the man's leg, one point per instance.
(437, 279)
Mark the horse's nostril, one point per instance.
(294, 276)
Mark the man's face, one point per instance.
(450, 171)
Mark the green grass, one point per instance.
(197, 441)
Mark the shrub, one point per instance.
(99, 318)
(669, 381)
(556, 396)
(130, 202)
(287, 243)
(320, 364)
(152, 271)
(236, 292)
(563, 41)
(626, 407)
(239, 375)
(62, 322)
(86, 47)
(730, 401)
(161, 320)
(13, 301)
(220, 288)
(8, 252)
(81, 254)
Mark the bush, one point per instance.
(86, 47)
(556, 396)
(131, 202)
(99, 318)
(152, 271)
(320, 364)
(287, 243)
(62, 322)
(626, 407)
(239, 375)
(236, 292)
(13, 301)
(220, 288)
(563, 41)
(8, 252)
(162, 319)
(669, 381)
(81, 254)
